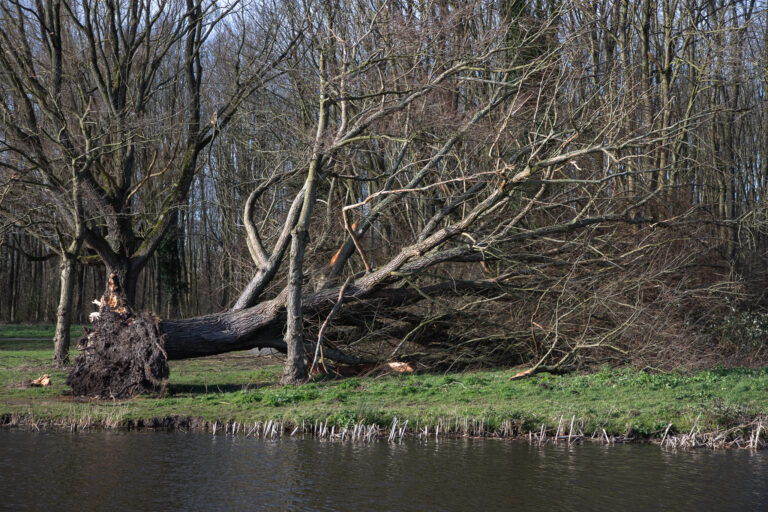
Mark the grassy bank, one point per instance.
(244, 389)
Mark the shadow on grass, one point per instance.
(739, 372)
(26, 344)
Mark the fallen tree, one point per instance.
(126, 353)
(482, 196)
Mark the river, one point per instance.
(163, 471)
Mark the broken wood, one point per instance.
(354, 370)
(43, 381)
(530, 372)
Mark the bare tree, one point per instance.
(474, 172)
(466, 139)
(102, 112)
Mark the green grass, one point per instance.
(235, 388)
(36, 331)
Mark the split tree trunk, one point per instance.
(128, 277)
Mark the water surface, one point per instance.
(162, 471)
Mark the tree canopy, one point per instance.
(443, 182)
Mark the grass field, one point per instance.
(35, 331)
(241, 387)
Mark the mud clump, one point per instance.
(122, 356)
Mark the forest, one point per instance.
(448, 183)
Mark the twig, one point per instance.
(665, 434)
(336, 307)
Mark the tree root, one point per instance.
(122, 356)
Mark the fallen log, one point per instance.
(126, 354)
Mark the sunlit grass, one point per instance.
(240, 388)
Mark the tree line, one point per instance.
(471, 182)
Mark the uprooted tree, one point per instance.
(103, 118)
(458, 183)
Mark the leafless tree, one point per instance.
(102, 112)
(474, 182)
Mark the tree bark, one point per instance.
(258, 327)
(61, 340)
(295, 367)
(262, 325)
(128, 278)
(295, 371)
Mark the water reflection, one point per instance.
(144, 471)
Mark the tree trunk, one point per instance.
(261, 326)
(258, 327)
(128, 278)
(64, 313)
(295, 367)
(13, 286)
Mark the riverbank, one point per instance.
(240, 392)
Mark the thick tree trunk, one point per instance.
(128, 277)
(258, 327)
(262, 325)
(61, 340)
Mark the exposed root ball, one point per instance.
(122, 356)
